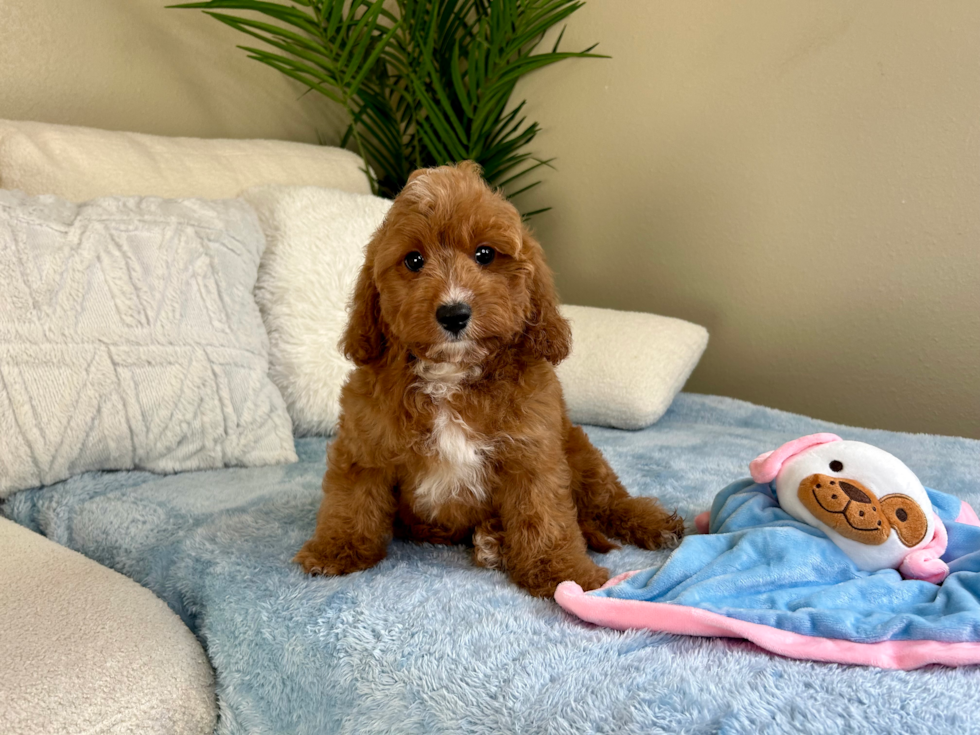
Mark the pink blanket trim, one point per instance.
(968, 516)
(664, 617)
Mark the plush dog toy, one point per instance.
(866, 500)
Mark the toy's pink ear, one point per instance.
(765, 467)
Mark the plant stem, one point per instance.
(360, 148)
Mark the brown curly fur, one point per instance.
(537, 492)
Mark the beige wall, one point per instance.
(801, 178)
(134, 65)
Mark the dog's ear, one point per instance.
(547, 333)
(364, 341)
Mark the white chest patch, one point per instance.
(460, 463)
(459, 455)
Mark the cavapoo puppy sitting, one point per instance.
(453, 425)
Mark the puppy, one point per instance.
(453, 426)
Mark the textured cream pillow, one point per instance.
(129, 338)
(86, 650)
(626, 367)
(624, 370)
(84, 163)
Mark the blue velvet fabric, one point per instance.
(427, 643)
(760, 565)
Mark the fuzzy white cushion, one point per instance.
(315, 241)
(84, 649)
(624, 370)
(84, 163)
(129, 338)
(626, 367)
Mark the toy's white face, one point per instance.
(866, 500)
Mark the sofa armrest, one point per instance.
(84, 649)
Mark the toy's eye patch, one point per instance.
(836, 465)
(906, 517)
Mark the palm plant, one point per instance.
(425, 82)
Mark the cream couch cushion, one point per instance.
(84, 163)
(85, 649)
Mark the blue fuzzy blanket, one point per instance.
(428, 643)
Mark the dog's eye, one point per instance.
(484, 255)
(414, 261)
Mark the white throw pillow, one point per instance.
(626, 366)
(84, 163)
(315, 240)
(624, 370)
(129, 338)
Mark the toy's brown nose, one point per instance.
(853, 493)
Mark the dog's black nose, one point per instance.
(454, 317)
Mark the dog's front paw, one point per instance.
(324, 559)
(315, 563)
(544, 577)
(590, 578)
(488, 545)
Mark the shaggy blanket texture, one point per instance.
(428, 643)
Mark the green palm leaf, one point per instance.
(425, 82)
